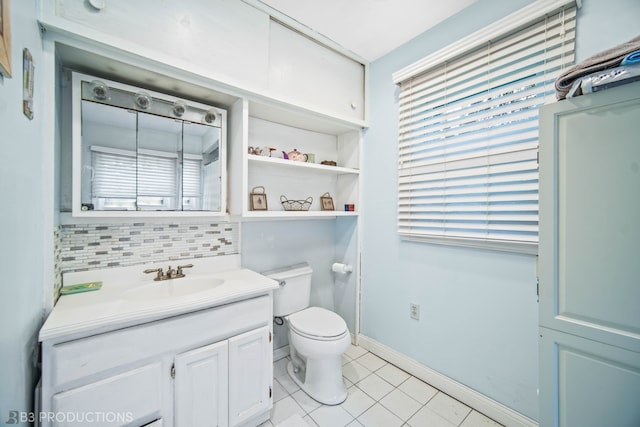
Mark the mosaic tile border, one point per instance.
(86, 246)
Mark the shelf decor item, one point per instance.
(296, 205)
(326, 201)
(258, 199)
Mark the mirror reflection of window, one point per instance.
(135, 160)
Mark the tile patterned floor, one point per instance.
(380, 395)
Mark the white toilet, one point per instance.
(317, 337)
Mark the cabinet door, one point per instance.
(250, 375)
(589, 234)
(311, 75)
(226, 40)
(201, 382)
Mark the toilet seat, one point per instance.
(318, 323)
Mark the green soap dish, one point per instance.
(83, 287)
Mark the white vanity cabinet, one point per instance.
(207, 368)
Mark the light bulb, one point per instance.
(143, 100)
(99, 90)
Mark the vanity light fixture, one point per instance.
(143, 100)
(179, 108)
(210, 116)
(99, 90)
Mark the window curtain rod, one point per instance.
(504, 26)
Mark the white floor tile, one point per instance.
(400, 404)
(310, 421)
(380, 394)
(449, 408)
(355, 372)
(371, 361)
(476, 419)
(419, 390)
(279, 392)
(379, 416)
(280, 367)
(331, 416)
(375, 386)
(357, 402)
(392, 375)
(346, 359)
(305, 402)
(288, 384)
(293, 421)
(354, 352)
(284, 409)
(425, 417)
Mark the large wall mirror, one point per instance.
(137, 150)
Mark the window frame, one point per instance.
(467, 47)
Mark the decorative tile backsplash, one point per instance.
(87, 246)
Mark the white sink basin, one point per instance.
(172, 288)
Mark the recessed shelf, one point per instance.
(297, 214)
(338, 170)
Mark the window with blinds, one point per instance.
(147, 180)
(468, 138)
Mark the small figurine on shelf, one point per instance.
(296, 156)
(327, 202)
(258, 199)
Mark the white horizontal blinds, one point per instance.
(157, 175)
(113, 174)
(192, 177)
(468, 136)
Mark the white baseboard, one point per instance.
(470, 397)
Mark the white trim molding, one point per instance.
(503, 26)
(466, 395)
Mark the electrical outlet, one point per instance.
(414, 311)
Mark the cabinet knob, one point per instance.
(353, 105)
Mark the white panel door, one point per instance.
(201, 386)
(250, 375)
(590, 260)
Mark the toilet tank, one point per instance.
(294, 292)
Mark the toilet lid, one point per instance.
(318, 322)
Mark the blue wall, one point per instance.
(479, 311)
(26, 166)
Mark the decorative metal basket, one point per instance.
(296, 205)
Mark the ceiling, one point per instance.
(369, 28)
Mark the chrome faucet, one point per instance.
(170, 274)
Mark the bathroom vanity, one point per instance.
(144, 352)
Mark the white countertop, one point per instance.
(89, 313)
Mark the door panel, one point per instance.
(250, 375)
(201, 386)
(594, 384)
